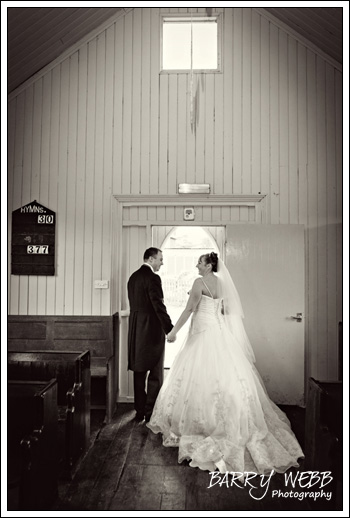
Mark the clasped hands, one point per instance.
(171, 337)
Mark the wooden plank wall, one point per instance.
(103, 121)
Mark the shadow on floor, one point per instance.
(128, 468)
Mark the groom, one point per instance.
(149, 322)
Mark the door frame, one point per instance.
(131, 200)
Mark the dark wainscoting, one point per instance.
(99, 335)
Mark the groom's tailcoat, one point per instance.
(149, 321)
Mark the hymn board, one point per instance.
(33, 240)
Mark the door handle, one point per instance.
(298, 318)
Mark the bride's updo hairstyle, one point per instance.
(212, 259)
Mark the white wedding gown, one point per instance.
(214, 407)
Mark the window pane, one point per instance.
(205, 46)
(177, 46)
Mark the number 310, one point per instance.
(42, 218)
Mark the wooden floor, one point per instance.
(128, 468)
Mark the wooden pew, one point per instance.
(72, 371)
(97, 334)
(32, 444)
(324, 432)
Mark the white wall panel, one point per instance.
(104, 122)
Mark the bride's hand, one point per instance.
(171, 337)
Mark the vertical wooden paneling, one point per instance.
(105, 122)
(302, 194)
(61, 216)
(246, 100)
(338, 97)
(200, 129)
(36, 139)
(12, 295)
(26, 184)
(54, 179)
(228, 102)
(145, 99)
(321, 159)
(331, 310)
(235, 213)
(244, 214)
(218, 135)
(98, 172)
(127, 104)
(16, 131)
(35, 182)
(274, 127)
(283, 122)
(191, 136)
(163, 134)
(154, 108)
(226, 213)
(118, 106)
(312, 212)
(292, 189)
(265, 114)
(45, 138)
(182, 129)
(11, 130)
(209, 130)
(256, 163)
(160, 214)
(71, 184)
(107, 173)
(136, 103)
(170, 213)
(44, 176)
(89, 178)
(206, 215)
(80, 193)
(133, 214)
(172, 151)
(236, 60)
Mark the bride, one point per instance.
(213, 404)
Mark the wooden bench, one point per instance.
(72, 371)
(97, 334)
(324, 431)
(32, 444)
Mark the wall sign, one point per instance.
(33, 240)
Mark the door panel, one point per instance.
(267, 265)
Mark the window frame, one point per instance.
(187, 16)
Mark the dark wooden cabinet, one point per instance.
(324, 432)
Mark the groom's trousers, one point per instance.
(146, 389)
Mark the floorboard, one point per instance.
(128, 468)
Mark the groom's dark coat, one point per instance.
(149, 321)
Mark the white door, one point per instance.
(267, 265)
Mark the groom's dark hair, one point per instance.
(151, 252)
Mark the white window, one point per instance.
(190, 43)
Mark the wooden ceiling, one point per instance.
(322, 26)
(38, 35)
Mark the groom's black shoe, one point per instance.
(139, 417)
(147, 418)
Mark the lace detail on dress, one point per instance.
(214, 407)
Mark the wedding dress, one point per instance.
(213, 404)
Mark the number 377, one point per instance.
(37, 249)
